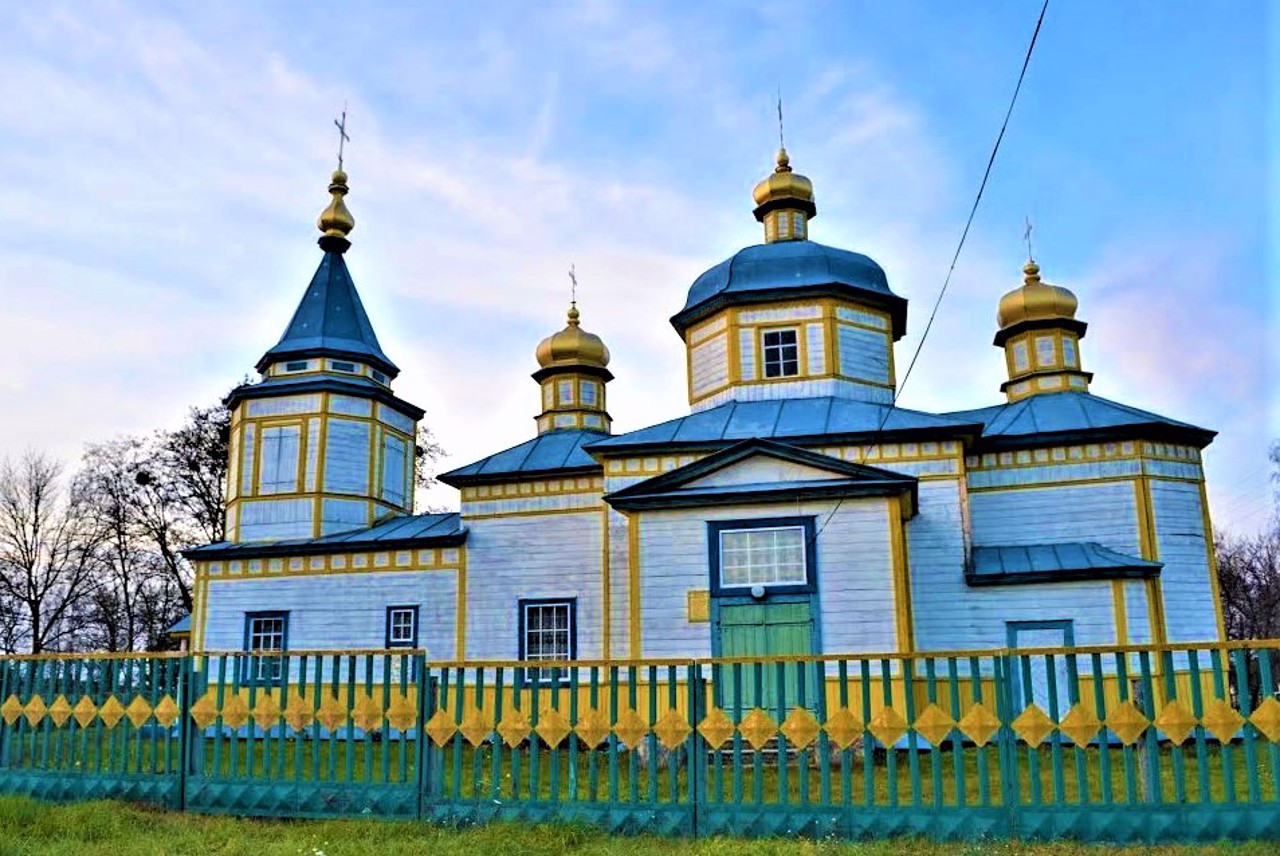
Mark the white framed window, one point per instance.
(402, 627)
(547, 629)
(265, 631)
(797, 224)
(548, 396)
(566, 392)
(278, 469)
(1021, 361)
(1044, 351)
(587, 392)
(781, 352)
(1069, 355)
(764, 556)
(784, 225)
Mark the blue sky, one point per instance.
(165, 163)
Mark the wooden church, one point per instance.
(792, 510)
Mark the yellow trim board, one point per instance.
(460, 643)
(1121, 612)
(903, 621)
(606, 596)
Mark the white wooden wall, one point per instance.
(855, 575)
(537, 556)
(1188, 598)
(336, 611)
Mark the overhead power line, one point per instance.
(955, 258)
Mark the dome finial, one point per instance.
(335, 220)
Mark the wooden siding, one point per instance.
(1180, 542)
(270, 519)
(346, 460)
(763, 470)
(864, 354)
(854, 573)
(336, 611)
(815, 342)
(550, 556)
(709, 365)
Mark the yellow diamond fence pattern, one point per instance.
(928, 736)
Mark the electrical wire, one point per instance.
(955, 258)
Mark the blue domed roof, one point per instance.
(773, 271)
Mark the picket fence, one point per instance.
(1137, 743)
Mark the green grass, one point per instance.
(29, 828)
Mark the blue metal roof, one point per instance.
(788, 265)
(330, 319)
(994, 565)
(407, 530)
(557, 450)
(673, 488)
(789, 419)
(182, 625)
(1071, 413)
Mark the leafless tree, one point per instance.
(49, 553)
(1249, 579)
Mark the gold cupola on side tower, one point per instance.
(573, 371)
(1041, 338)
(784, 203)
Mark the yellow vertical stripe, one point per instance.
(1121, 612)
(903, 620)
(633, 583)
(1150, 550)
(606, 597)
(460, 643)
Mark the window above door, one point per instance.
(768, 555)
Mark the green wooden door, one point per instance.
(765, 630)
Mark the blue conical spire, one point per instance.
(330, 321)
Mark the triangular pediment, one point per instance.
(764, 471)
(762, 468)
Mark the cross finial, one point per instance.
(342, 133)
(781, 143)
(1026, 236)
(573, 286)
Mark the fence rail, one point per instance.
(1140, 743)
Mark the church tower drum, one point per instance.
(573, 373)
(320, 444)
(790, 318)
(1041, 338)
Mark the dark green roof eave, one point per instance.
(397, 533)
(560, 452)
(894, 304)
(775, 493)
(1074, 416)
(275, 387)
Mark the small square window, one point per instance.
(339, 366)
(296, 366)
(378, 376)
(781, 353)
(402, 626)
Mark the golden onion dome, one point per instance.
(1035, 300)
(572, 346)
(336, 221)
(782, 183)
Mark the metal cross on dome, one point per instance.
(573, 286)
(1026, 236)
(342, 133)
